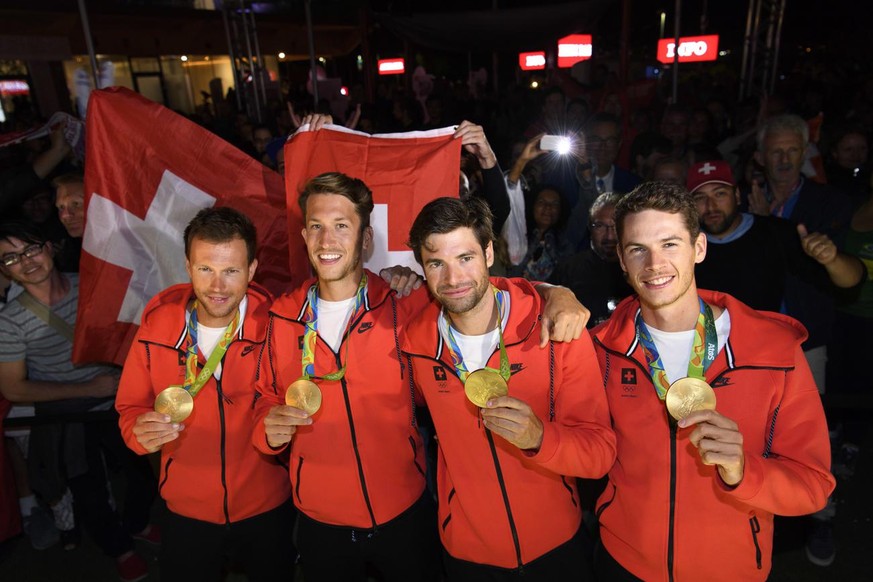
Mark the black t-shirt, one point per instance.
(766, 267)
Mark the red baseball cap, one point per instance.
(711, 172)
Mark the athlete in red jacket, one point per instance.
(357, 463)
(223, 495)
(695, 499)
(508, 502)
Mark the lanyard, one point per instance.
(703, 350)
(310, 336)
(455, 350)
(194, 381)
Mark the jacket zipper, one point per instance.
(502, 484)
(671, 534)
(756, 529)
(448, 504)
(415, 455)
(297, 486)
(223, 438)
(166, 473)
(355, 448)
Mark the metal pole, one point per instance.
(313, 71)
(232, 54)
(676, 20)
(747, 41)
(256, 98)
(261, 67)
(776, 45)
(86, 30)
(754, 50)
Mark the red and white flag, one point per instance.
(148, 172)
(405, 171)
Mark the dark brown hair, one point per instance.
(218, 225)
(660, 196)
(444, 215)
(340, 185)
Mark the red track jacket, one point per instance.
(211, 472)
(664, 514)
(497, 504)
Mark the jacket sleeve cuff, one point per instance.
(753, 478)
(549, 446)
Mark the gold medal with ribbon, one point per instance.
(486, 383)
(303, 393)
(177, 402)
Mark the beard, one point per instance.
(723, 225)
(464, 304)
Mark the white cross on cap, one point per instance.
(706, 168)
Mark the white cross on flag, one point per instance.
(706, 168)
(148, 171)
(405, 171)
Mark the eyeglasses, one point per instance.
(10, 259)
(601, 227)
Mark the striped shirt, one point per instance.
(47, 355)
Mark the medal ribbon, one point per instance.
(194, 381)
(703, 351)
(310, 336)
(455, 350)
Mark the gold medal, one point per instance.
(687, 395)
(483, 385)
(175, 402)
(305, 395)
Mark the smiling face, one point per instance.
(456, 268)
(335, 243)
(658, 255)
(220, 274)
(29, 270)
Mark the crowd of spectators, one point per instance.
(800, 156)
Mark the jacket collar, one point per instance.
(422, 336)
(757, 338)
(293, 305)
(164, 319)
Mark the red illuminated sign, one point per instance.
(391, 67)
(532, 61)
(574, 49)
(691, 49)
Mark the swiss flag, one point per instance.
(148, 171)
(405, 171)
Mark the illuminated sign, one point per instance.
(14, 88)
(391, 67)
(691, 49)
(532, 61)
(573, 49)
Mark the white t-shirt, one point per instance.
(477, 349)
(208, 337)
(674, 347)
(333, 319)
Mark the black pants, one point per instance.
(607, 569)
(91, 494)
(569, 561)
(261, 546)
(405, 549)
